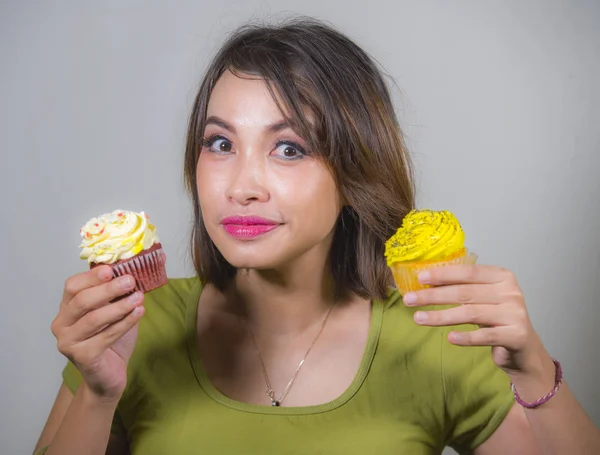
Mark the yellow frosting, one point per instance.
(118, 235)
(425, 235)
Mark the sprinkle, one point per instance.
(120, 214)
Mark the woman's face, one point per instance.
(253, 169)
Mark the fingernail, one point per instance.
(421, 316)
(134, 298)
(455, 337)
(425, 276)
(409, 298)
(105, 273)
(126, 283)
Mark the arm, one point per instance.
(491, 299)
(559, 426)
(98, 337)
(513, 436)
(78, 423)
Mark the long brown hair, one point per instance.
(313, 68)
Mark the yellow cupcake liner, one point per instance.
(406, 273)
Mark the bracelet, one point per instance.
(558, 380)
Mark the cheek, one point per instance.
(208, 183)
(313, 198)
(200, 183)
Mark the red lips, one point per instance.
(247, 227)
(247, 221)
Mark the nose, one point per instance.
(247, 179)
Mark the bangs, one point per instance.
(293, 94)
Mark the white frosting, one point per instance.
(115, 236)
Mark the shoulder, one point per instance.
(399, 327)
(172, 300)
(410, 353)
(177, 290)
(403, 334)
(428, 347)
(168, 310)
(473, 393)
(167, 324)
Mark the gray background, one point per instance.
(500, 102)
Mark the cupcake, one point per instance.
(426, 239)
(126, 241)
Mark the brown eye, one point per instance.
(218, 144)
(290, 151)
(224, 146)
(287, 150)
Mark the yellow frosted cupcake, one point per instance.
(128, 242)
(425, 240)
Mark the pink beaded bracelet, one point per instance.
(558, 380)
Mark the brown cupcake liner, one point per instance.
(147, 268)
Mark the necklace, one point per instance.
(270, 392)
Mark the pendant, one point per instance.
(271, 394)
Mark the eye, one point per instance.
(218, 144)
(289, 150)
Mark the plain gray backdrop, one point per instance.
(499, 101)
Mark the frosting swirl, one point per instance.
(425, 235)
(115, 236)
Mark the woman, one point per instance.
(291, 339)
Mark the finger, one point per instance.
(479, 314)
(97, 344)
(488, 336)
(95, 297)
(452, 294)
(464, 274)
(97, 320)
(77, 283)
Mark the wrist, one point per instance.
(539, 385)
(539, 369)
(94, 399)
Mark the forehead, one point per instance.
(242, 98)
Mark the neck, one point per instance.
(284, 302)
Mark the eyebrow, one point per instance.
(273, 128)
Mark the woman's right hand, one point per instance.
(96, 335)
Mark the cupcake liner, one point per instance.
(406, 274)
(147, 268)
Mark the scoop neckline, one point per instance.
(205, 383)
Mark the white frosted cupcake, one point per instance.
(128, 242)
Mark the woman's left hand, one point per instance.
(491, 298)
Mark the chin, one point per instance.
(256, 257)
(253, 264)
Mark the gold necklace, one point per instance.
(270, 392)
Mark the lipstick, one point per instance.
(247, 227)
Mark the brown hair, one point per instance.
(313, 68)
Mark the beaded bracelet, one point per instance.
(558, 380)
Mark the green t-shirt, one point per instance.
(414, 392)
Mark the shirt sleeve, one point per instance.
(477, 393)
(72, 379)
